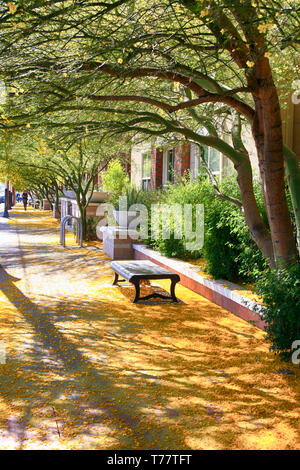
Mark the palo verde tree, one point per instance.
(179, 64)
(43, 165)
(21, 163)
(37, 182)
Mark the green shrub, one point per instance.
(115, 180)
(188, 191)
(280, 292)
(133, 195)
(229, 251)
(171, 247)
(91, 224)
(147, 198)
(153, 196)
(220, 247)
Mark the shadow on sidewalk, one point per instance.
(78, 373)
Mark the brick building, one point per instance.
(153, 166)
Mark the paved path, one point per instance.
(86, 369)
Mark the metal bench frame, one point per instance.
(135, 280)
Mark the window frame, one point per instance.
(146, 180)
(210, 151)
(168, 176)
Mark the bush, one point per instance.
(171, 247)
(133, 195)
(115, 180)
(91, 224)
(280, 291)
(188, 191)
(229, 251)
(220, 245)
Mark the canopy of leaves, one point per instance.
(74, 66)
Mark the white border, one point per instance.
(225, 288)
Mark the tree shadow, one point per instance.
(105, 373)
(53, 351)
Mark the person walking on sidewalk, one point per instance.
(25, 199)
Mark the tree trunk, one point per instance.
(47, 194)
(57, 201)
(267, 122)
(258, 230)
(82, 210)
(254, 220)
(81, 203)
(292, 170)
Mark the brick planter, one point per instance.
(90, 210)
(223, 293)
(46, 206)
(66, 207)
(117, 242)
(56, 214)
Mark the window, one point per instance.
(168, 166)
(146, 171)
(212, 158)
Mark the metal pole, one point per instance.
(10, 195)
(6, 195)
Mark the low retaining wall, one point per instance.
(222, 293)
(46, 205)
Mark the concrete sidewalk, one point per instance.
(86, 369)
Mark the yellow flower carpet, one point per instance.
(84, 368)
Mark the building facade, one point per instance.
(152, 166)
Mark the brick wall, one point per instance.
(156, 167)
(181, 163)
(182, 158)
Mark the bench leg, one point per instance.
(155, 294)
(116, 279)
(137, 291)
(172, 290)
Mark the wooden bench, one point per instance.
(135, 271)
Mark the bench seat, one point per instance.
(135, 271)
